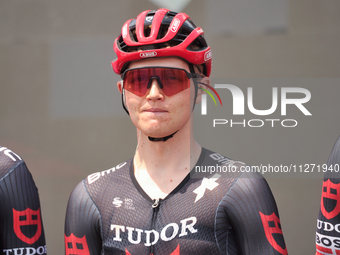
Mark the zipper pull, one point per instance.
(156, 203)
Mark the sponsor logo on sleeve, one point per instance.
(28, 228)
(75, 245)
(330, 195)
(327, 245)
(27, 218)
(272, 228)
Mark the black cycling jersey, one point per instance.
(21, 228)
(328, 223)
(219, 213)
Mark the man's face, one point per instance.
(156, 114)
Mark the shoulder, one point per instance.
(215, 164)
(236, 174)
(9, 161)
(253, 184)
(117, 171)
(96, 183)
(334, 157)
(333, 164)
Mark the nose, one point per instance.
(155, 92)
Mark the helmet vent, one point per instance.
(198, 44)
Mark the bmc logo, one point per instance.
(148, 54)
(175, 24)
(9, 153)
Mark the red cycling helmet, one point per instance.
(161, 33)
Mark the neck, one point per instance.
(161, 166)
(179, 153)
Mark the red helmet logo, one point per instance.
(207, 55)
(27, 217)
(175, 252)
(271, 224)
(330, 191)
(148, 54)
(175, 24)
(125, 30)
(76, 246)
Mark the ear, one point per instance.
(200, 92)
(120, 86)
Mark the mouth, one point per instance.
(155, 110)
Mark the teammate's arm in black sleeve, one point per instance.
(327, 231)
(82, 224)
(252, 212)
(21, 228)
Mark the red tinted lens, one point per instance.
(172, 80)
(136, 81)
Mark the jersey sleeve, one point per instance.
(82, 224)
(252, 213)
(327, 231)
(21, 227)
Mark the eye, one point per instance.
(136, 77)
(141, 78)
(173, 77)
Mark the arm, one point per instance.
(327, 232)
(82, 224)
(21, 228)
(251, 210)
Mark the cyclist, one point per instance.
(21, 228)
(327, 231)
(155, 203)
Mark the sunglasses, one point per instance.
(171, 80)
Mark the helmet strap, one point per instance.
(192, 70)
(161, 139)
(123, 101)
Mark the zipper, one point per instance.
(155, 209)
(155, 203)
